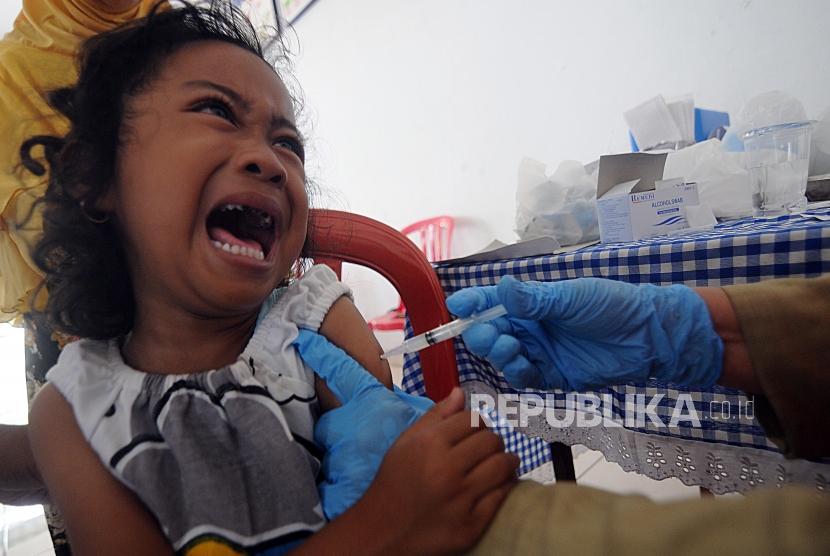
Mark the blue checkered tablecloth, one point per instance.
(735, 252)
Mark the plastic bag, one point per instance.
(563, 206)
(769, 109)
(820, 149)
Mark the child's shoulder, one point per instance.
(89, 375)
(306, 301)
(86, 360)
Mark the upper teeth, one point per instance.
(232, 207)
(265, 218)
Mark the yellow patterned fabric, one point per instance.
(36, 56)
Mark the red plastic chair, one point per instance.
(434, 238)
(336, 237)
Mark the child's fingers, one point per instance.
(478, 447)
(457, 427)
(491, 472)
(450, 405)
(449, 421)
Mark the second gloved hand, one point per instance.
(592, 332)
(356, 435)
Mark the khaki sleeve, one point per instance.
(786, 326)
(572, 519)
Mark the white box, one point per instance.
(634, 202)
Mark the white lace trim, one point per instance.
(718, 467)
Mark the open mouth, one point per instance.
(241, 230)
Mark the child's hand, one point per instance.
(357, 434)
(442, 482)
(438, 486)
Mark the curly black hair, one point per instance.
(89, 289)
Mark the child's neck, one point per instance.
(186, 344)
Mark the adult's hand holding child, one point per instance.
(357, 434)
(436, 489)
(442, 482)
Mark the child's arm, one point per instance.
(102, 515)
(345, 327)
(438, 488)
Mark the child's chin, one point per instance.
(242, 298)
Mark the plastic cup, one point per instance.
(778, 158)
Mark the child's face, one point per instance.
(209, 193)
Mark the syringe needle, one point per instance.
(444, 332)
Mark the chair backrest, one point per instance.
(337, 237)
(434, 235)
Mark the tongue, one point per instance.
(224, 236)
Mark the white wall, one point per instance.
(426, 107)
(8, 11)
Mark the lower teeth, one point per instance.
(240, 250)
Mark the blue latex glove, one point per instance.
(357, 434)
(592, 332)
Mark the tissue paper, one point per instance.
(651, 123)
(562, 206)
(820, 146)
(721, 176)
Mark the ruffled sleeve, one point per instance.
(86, 377)
(308, 300)
(303, 304)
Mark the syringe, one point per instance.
(444, 332)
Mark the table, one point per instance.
(728, 451)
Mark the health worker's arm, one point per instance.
(102, 515)
(768, 338)
(737, 366)
(785, 326)
(345, 327)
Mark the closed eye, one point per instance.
(216, 106)
(293, 144)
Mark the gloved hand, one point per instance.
(592, 332)
(357, 434)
